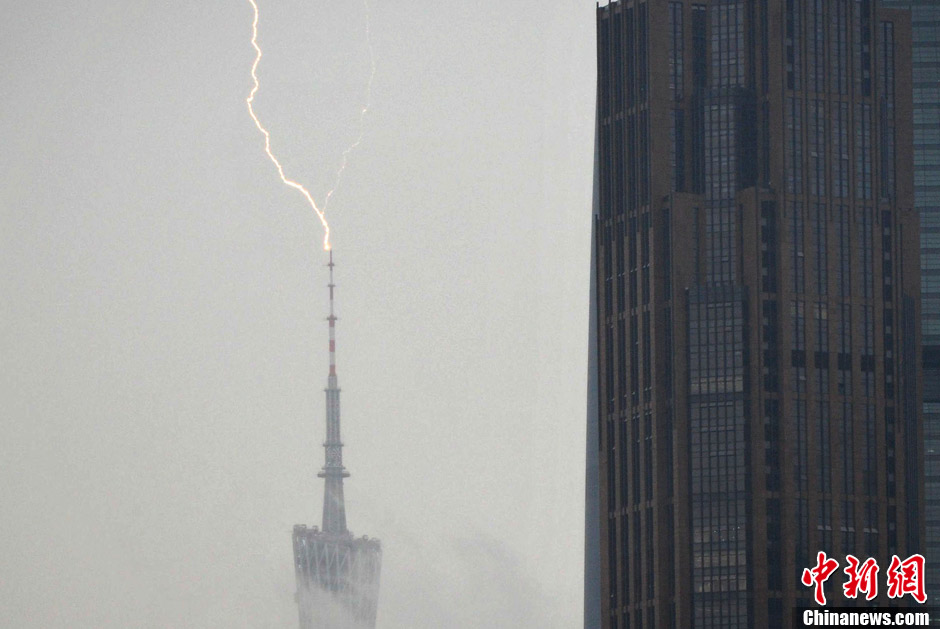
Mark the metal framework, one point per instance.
(337, 579)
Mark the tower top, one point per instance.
(333, 472)
(332, 320)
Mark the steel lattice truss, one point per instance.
(337, 579)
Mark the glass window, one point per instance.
(840, 149)
(642, 44)
(887, 111)
(699, 84)
(794, 42)
(820, 229)
(677, 149)
(817, 52)
(838, 33)
(863, 150)
(676, 50)
(817, 147)
(794, 145)
(844, 266)
(797, 254)
(862, 50)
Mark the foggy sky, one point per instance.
(162, 334)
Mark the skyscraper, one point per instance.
(925, 22)
(592, 556)
(337, 573)
(756, 302)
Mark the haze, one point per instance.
(162, 334)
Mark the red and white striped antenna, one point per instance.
(332, 320)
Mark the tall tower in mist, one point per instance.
(756, 305)
(337, 573)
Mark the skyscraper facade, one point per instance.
(756, 303)
(592, 555)
(337, 573)
(925, 22)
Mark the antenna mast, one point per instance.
(333, 472)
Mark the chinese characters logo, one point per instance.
(903, 577)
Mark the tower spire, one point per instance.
(333, 472)
(332, 320)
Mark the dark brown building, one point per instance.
(756, 303)
(925, 22)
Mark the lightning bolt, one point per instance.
(267, 136)
(362, 112)
(321, 213)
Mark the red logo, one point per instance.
(862, 579)
(907, 577)
(819, 575)
(904, 577)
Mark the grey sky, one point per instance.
(162, 342)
